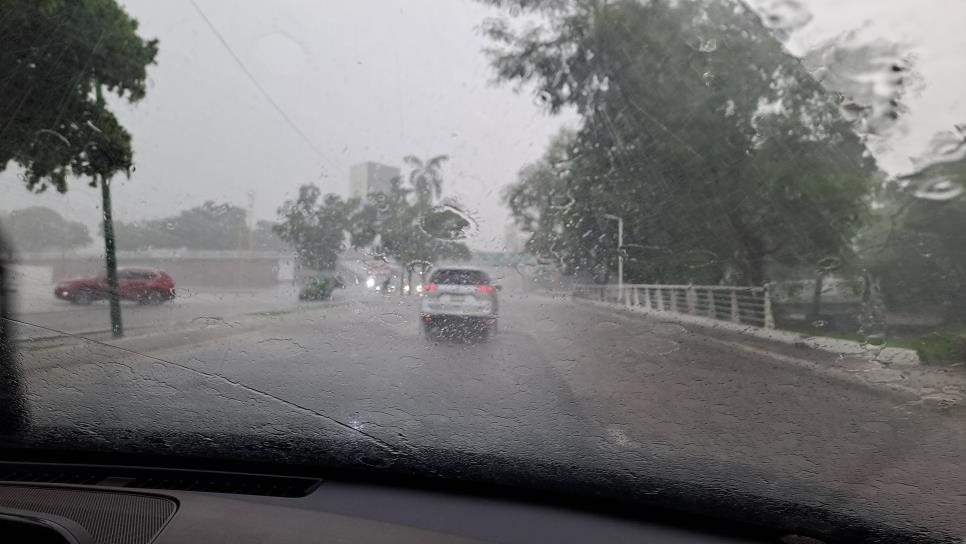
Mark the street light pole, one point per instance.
(620, 255)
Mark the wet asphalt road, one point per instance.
(52, 317)
(561, 381)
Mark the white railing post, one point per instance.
(769, 317)
(712, 304)
(647, 298)
(660, 299)
(735, 316)
(637, 296)
(691, 298)
(674, 299)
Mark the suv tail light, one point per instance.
(431, 287)
(486, 289)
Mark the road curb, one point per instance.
(141, 334)
(101, 334)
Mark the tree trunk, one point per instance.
(753, 252)
(816, 311)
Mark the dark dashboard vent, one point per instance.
(160, 479)
(239, 484)
(49, 476)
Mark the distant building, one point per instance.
(370, 177)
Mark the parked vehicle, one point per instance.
(459, 301)
(142, 285)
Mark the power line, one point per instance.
(251, 77)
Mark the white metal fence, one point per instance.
(746, 305)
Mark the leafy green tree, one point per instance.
(426, 178)
(917, 244)
(211, 226)
(718, 149)
(41, 229)
(56, 58)
(402, 224)
(316, 226)
(405, 225)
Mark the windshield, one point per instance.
(690, 253)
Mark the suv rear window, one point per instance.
(459, 277)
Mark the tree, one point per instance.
(916, 246)
(41, 229)
(211, 226)
(316, 226)
(402, 224)
(718, 149)
(412, 230)
(426, 178)
(56, 58)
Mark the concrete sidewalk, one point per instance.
(892, 369)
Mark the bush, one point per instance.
(317, 289)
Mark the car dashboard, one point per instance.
(125, 505)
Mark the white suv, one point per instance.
(459, 301)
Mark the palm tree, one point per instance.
(426, 178)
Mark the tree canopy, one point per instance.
(718, 149)
(41, 229)
(57, 57)
(211, 226)
(315, 226)
(916, 242)
(405, 223)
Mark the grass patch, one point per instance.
(943, 346)
(946, 346)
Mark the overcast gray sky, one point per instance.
(364, 79)
(380, 79)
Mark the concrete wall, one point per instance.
(202, 269)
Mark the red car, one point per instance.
(143, 285)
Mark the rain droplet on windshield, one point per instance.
(939, 190)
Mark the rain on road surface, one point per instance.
(562, 380)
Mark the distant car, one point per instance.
(143, 285)
(459, 301)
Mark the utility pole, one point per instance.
(620, 255)
(110, 255)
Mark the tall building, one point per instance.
(370, 177)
